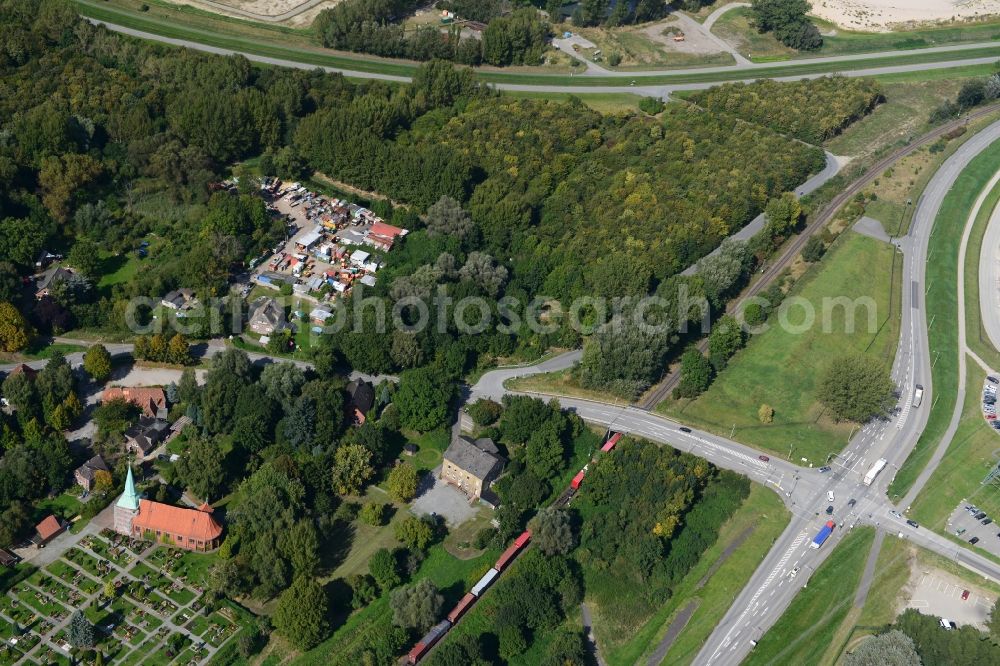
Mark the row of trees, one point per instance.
(611, 13)
(787, 20)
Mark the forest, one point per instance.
(813, 110)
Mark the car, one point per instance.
(961, 530)
(829, 496)
(764, 458)
(986, 521)
(980, 515)
(913, 524)
(895, 513)
(965, 595)
(974, 540)
(684, 429)
(948, 625)
(990, 417)
(852, 502)
(829, 510)
(793, 572)
(995, 424)
(992, 380)
(824, 468)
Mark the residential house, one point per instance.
(150, 399)
(360, 399)
(266, 316)
(179, 299)
(47, 530)
(145, 435)
(50, 278)
(471, 465)
(86, 473)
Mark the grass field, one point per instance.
(736, 28)
(808, 626)
(559, 383)
(762, 511)
(969, 458)
(975, 333)
(40, 350)
(942, 301)
(191, 26)
(782, 367)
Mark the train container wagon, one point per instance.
(428, 641)
(578, 479)
(463, 605)
(512, 550)
(484, 582)
(612, 441)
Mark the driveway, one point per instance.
(437, 497)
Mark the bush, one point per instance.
(651, 105)
(372, 514)
(614, 58)
(814, 250)
(484, 412)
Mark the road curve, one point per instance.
(989, 279)
(717, 14)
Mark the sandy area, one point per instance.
(885, 15)
(290, 12)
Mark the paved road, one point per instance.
(717, 14)
(772, 587)
(639, 89)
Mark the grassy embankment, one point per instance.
(942, 305)
(783, 365)
(736, 28)
(808, 627)
(222, 36)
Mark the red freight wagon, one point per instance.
(512, 550)
(578, 479)
(462, 606)
(610, 444)
(428, 641)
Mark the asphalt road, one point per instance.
(772, 587)
(639, 89)
(989, 279)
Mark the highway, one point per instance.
(771, 589)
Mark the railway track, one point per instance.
(660, 392)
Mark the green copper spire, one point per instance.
(129, 499)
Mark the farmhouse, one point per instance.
(471, 465)
(144, 435)
(151, 400)
(49, 279)
(86, 473)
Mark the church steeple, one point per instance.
(130, 498)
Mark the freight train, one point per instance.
(432, 637)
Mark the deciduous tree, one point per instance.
(416, 607)
(402, 482)
(15, 332)
(301, 615)
(351, 469)
(857, 388)
(97, 363)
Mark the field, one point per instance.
(808, 626)
(765, 516)
(782, 367)
(735, 28)
(942, 300)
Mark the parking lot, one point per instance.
(434, 496)
(966, 526)
(938, 593)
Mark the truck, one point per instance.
(823, 534)
(918, 395)
(874, 471)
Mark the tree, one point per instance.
(765, 414)
(201, 468)
(893, 648)
(545, 450)
(814, 250)
(384, 569)
(109, 591)
(783, 214)
(81, 631)
(696, 374)
(97, 363)
(402, 482)
(725, 340)
(552, 531)
(372, 513)
(363, 590)
(446, 218)
(414, 532)
(422, 399)
(993, 623)
(178, 350)
(416, 607)
(301, 615)
(787, 20)
(351, 469)
(301, 547)
(484, 412)
(972, 93)
(283, 382)
(15, 333)
(857, 388)
(187, 388)
(566, 647)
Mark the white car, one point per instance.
(829, 496)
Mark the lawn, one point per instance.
(893, 567)
(970, 456)
(366, 539)
(560, 383)
(40, 350)
(942, 301)
(765, 514)
(735, 28)
(782, 366)
(430, 448)
(807, 627)
(66, 505)
(117, 269)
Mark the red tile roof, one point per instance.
(383, 229)
(48, 528)
(149, 400)
(175, 520)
